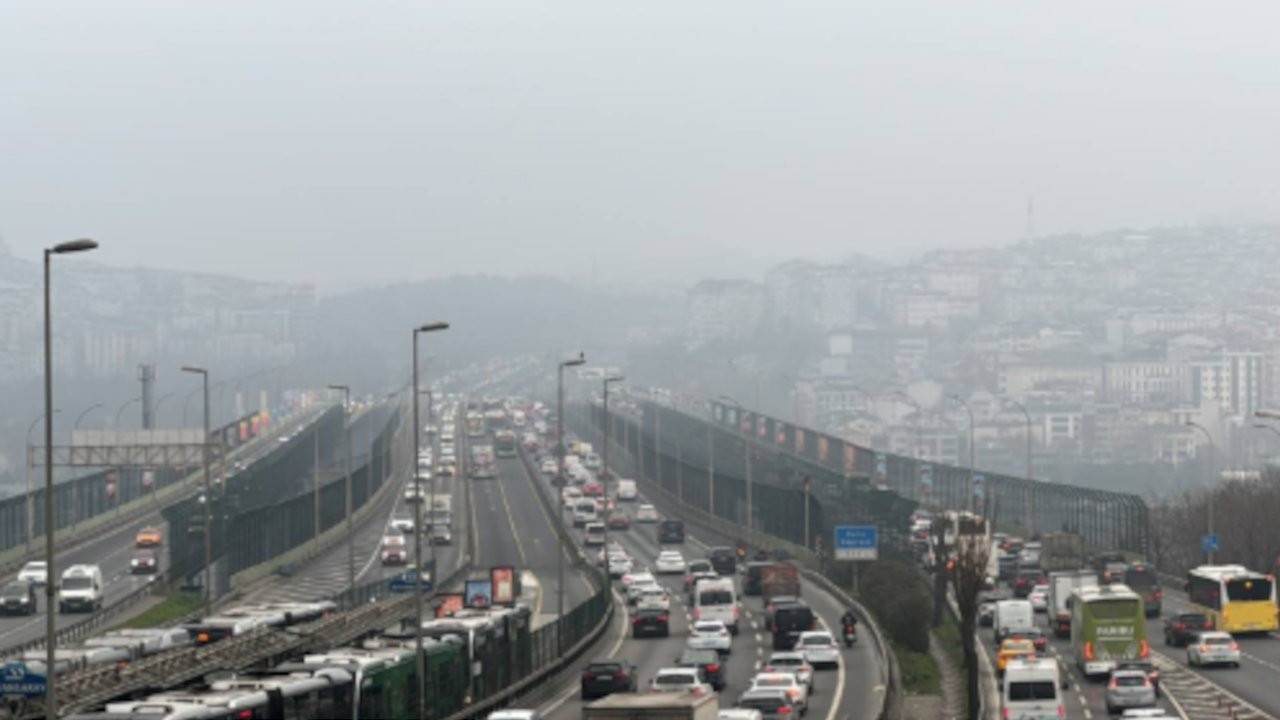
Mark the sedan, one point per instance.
(669, 562)
(35, 571)
(643, 578)
(620, 565)
(619, 522)
(819, 648)
(679, 680)
(786, 682)
(650, 623)
(708, 661)
(144, 563)
(636, 589)
(19, 597)
(653, 597)
(710, 635)
(1213, 648)
(548, 467)
(402, 525)
(646, 514)
(794, 663)
(1039, 600)
(606, 676)
(771, 703)
(394, 551)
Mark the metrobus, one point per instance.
(1108, 626)
(475, 425)
(1238, 600)
(1142, 578)
(504, 444)
(483, 464)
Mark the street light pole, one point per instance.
(80, 417)
(1209, 554)
(155, 409)
(120, 411)
(208, 492)
(560, 551)
(351, 542)
(969, 499)
(748, 447)
(604, 476)
(50, 585)
(420, 660)
(1031, 481)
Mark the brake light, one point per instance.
(1005, 713)
(1115, 682)
(1207, 624)
(1204, 648)
(1235, 647)
(1183, 626)
(1144, 649)
(586, 675)
(1061, 712)
(715, 668)
(784, 710)
(662, 618)
(768, 668)
(697, 614)
(735, 613)
(244, 714)
(1088, 651)
(813, 624)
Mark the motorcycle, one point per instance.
(850, 635)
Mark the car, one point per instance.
(18, 597)
(583, 516)
(402, 525)
(788, 683)
(1012, 648)
(618, 521)
(413, 493)
(653, 597)
(35, 571)
(605, 676)
(1146, 666)
(144, 562)
(1127, 689)
(693, 567)
(794, 663)
(620, 565)
(592, 489)
(706, 575)
(650, 623)
(987, 613)
(739, 714)
(669, 562)
(708, 661)
(636, 588)
(569, 497)
(149, 537)
(608, 551)
(819, 648)
(1212, 647)
(1182, 628)
(724, 560)
(1034, 633)
(771, 703)
(643, 577)
(593, 534)
(710, 635)
(1039, 600)
(394, 550)
(548, 467)
(646, 514)
(679, 680)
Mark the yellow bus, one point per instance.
(1238, 599)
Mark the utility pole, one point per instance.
(560, 450)
(604, 476)
(1208, 464)
(351, 542)
(420, 657)
(208, 493)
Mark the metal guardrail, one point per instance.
(83, 628)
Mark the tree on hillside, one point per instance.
(968, 571)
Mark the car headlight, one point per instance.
(24, 600)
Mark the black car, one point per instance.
(606, 676)
(723, 560)
(789, 620)
(18, 598)
(1182, 628)
(773, 605)
(650, 622)
(671, 532)
(708, 661)
(751, 583)
(1026, 581)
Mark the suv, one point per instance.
(18, 598)
(671, 531)
(708, 661)
(724, 560)
(606, 676)
(1183, 628)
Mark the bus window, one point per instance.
(1239, 590)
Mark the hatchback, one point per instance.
(1127, 689)
(1213, 648)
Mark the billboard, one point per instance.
(449, 603)
(850, 459)
(478, 593)
(503, 581)
(822, 449)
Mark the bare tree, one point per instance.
(940, 558)
(968, 575)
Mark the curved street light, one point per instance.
(126, 404)
(80, 417)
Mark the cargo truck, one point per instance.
(779, 579)
(1061, 551)
(663, 706)
(1061, 585)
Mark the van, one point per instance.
(788, 621)
(593, 535)
(716, 600)
(81, 590)
(671, 532)
(627, 491)
(584, 511)
(1011, 616)
(1032, 690)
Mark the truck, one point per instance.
(779, 579)
(663, 706)
(1061, 551)
(1061, 586)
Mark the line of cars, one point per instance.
(82, 587)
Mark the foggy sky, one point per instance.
(353, 142)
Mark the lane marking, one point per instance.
(511, 521)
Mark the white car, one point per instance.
(548, 467)
(612, 549)
(638, 588)
(669, 561)
(570, 497)
(786, 682)
(679, 680)
(710, 635)
(1039, 600)
(644, 577)
(819, 648)
(653, 597)
(1213, 648)
(794, 663)
(35, 571)
(739, 714)
(646, 514)
(403, 525)
(620, 565)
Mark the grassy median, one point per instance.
(175, 605)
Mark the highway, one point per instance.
(113, 553)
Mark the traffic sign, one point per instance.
(16, 680)
(1209, 543)
(857, 542)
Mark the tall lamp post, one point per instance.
(1209, 554)
(208, 492)
(120, 411)
(748, 448)
(1031, 482)
(604, 476)
(969, 411)
(80, 417)
(50, 586)
(560, 474)
(351, 543)
(420, 666)
(155, 409)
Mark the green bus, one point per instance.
(1108, 625)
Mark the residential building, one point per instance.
(723, 310)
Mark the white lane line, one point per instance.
(838, 697)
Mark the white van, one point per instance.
(716, 600)
(81, 589)
(1032, 690)
(585, 512)
(1011, 616)
(627, 490)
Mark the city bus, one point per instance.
(1108, 626)
(1237, 599)
(1142, 578)
(483, 464)
(475, 425)
(504, 444)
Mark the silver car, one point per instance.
(1129, 689)
(819, 648)
(1213, 648)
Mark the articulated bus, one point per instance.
(1108, 625)
(1238, 599)
(504, 444)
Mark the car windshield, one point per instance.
(1216, 640)
(1129, 680)
(674, 679)
(818, 640)
(774, 681)
(787, 661)
(604, 668)
(707, 627)
(37, 566)
(76, 583)
(715, 597)
(14, 590)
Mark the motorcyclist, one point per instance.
(848, 619)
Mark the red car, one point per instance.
(593, 489)
(619, 522)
